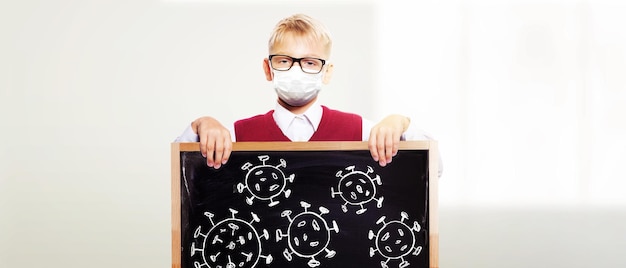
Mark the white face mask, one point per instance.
(296, 87)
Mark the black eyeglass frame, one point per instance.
(294, 60)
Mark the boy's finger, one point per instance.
(380, 147)
(396, 144)
(228, 148)
(210, 151)
(389, 147)
(372, 146)
(203, 145)
(219, 153)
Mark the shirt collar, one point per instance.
(283, 117)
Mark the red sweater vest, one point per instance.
(334, 126)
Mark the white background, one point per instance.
(526, 99)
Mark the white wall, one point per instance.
(525, 97)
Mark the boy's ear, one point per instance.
(328, 73)
(267, 69)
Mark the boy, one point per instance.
(299, 48)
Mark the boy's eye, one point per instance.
(281, 61)
(311, 62)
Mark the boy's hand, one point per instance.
(215, 142)
(385, 137)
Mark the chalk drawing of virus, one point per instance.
(395, 240)
(357, 188)
(265, 182)
(308, 235)
(229, 243)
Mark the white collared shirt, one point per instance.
(298, 127)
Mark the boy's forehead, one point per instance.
(300, 46)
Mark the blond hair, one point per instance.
(302, 26)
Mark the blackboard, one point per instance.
(305, 204)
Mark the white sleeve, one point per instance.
(414, 134)
(366, 128)
(411, 134)
(231, 129)
(190, 136)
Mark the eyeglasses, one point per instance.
(307, 65)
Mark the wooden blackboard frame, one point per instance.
(430, 146)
